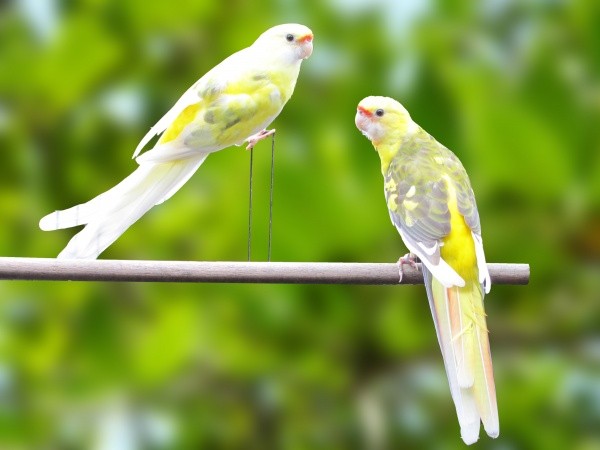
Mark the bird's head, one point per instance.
(382, 119)
(291, 39)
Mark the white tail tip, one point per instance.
(49, 222)
(470, 432)
(493, 430)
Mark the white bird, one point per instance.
(232, 104)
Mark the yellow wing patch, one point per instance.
(183, 119)
(410, 205)
(458, 248)
(390, 185)
(391, 203)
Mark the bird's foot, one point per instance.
(408, 259)
(255, 138)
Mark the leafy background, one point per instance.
(511, 86)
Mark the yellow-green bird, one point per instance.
(232, 104)
(431, 203)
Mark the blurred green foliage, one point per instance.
(513, 87)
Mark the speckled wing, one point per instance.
(417, 186)
(207, 93)
(218, 121)
(193, 96)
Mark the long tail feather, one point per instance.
(459, 320)
(108, 215)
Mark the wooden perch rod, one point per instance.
(230, 272)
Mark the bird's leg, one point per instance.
(252, 140)
(409, 259)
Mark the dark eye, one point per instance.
(379, 112)
(289, 37)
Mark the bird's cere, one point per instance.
(306, 38)
(364, 111)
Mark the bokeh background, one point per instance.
(513, 87)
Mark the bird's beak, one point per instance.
(363, 121)
(360, 120)
(306, 45)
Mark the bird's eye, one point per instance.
(289, 37)
(379, 112)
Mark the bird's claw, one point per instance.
(409, 259)
(255, 138)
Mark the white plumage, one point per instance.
(231, 104)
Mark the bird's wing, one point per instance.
(189, 98)
(209, 86)
(417, 193)
(225, 119)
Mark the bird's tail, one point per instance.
(462, 333)
(108, 215)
